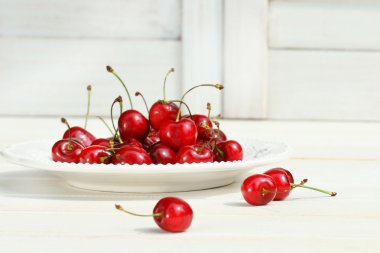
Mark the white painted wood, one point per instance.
(245, 58)
(39, 213)
(202, 52)
(117, 19)
(328, 24)
(325, 85)
(49, 76)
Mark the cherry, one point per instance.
(162, 110)
(202, 122)
(81, 133)
(105, 142)
(213, 136)
(259, 189)
(170, 214)
(194, 154)
(151, 139)
(132, 124)
(285, 183)
(177, 134)
(228, 151)
(162, 154)
(95, 155)
(67, 150)
(129, 142)
(131, 155)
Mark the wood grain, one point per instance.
(49, 76)
(117, 19)
(324, 85)
(325, 24)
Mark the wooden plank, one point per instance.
(49, 76)
(328, 24)
(202, 52)
(245, 61)
(324, 85)
(91, 18)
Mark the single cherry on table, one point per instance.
(259, 189)
(170, 214)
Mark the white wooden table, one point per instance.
(39, 213)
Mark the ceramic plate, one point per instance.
(147, 178)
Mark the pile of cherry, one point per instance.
(175, 215)
(167, 137)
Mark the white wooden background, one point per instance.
(279, 59)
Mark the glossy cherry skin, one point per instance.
(129, 142)
(283, 179)
(80, 133)
(131, 155)
(105, 142)
(178, 134)
(62, 153)
(177, 214)
(259, 189)
(162, 111)
(231, 151)
(95, 155)
(194, 154)
(213, 135)
(132, 124)
(202, 122)
(162, 154)
(151, 139)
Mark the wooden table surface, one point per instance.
(40, 213)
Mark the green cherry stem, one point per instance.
(166, 77)
(112, 71)
(138, 93)
(208, 110)
(313, 188)
(64, 121)
(120, 208)
(218, 86)
(88, 105)
(105, 123)
(119, 99)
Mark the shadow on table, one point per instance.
(42, 185)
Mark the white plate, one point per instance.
(147, 178)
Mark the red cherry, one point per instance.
(105, 142)
(95, 155)
(202, 122)
(259, 189)
(162, 111)
(194, 154)
(162, 154)
(213, 135)
(283, 182)
(66, 151)
(132, 124)
(151, 139)
(80, 133)
(228, 151)
(177, 134)
(131, 155)
(170, 214)
(129, 142)
(176, 214)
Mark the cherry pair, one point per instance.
(274, 184)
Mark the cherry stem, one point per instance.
(120, 208)
(64, 121)
(218, 86)
(111, 70)
(209, 110)
(88, 105)
(138, 93)
(181, 102)
(312, 188)
(119, 99)
(105, 123)
(166, 76)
